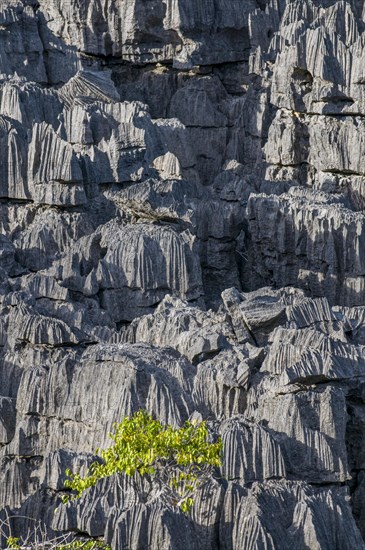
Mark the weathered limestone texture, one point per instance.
(182, 229)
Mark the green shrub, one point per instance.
(13, 543)
(36, 538)
(82, 545)
(179, 460)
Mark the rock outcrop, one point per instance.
(182, 194)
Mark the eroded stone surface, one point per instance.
(182, 187)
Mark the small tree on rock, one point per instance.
(178, 460)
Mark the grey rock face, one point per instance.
(307, 512)
(182, 192)
(130, 370)
(192, 332)
(303, 238)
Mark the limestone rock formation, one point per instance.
(182, 194)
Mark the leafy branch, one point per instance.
(179, 460)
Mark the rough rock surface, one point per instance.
(182, 195)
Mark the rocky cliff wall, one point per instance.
(182, 194)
